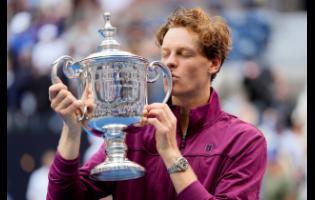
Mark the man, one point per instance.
(191, 149)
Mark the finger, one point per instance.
(162, 112)
(64, 103)
(55, 89)
(147, 107)
(163, 106)
(82, 113)
(74, 108)
(158, 113)
(78, 112)
(165, 121)
(145, 112)
(62, 96)
(90, 105)
(87, 93)
(161, 129)
(57, 80)
(141, 123)
(144, 121)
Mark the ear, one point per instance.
(214, 66)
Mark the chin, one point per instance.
(175, 91)
(179, 92)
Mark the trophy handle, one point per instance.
(71, 71)
(166, 73)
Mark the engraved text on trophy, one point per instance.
(119, 89)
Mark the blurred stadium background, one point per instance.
(263, 81)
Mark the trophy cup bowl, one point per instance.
(118, 83)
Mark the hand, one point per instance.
(162, 118)
(67, 106)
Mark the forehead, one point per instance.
(180, 37)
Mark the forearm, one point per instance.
(69, 143)
(68, 181)
(63, 182)
(180, 179)
(186, 183)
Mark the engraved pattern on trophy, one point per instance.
(120, 89)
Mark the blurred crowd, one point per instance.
(39, 31)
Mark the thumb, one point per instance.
(87, 93)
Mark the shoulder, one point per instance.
(241, 136)
(243, 127)
(237, 127)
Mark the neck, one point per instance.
(193, 101)
(186, 104)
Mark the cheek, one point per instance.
(196, 73)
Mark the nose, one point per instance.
(170, 61)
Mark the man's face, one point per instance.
(190, 68)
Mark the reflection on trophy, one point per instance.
(118, 82)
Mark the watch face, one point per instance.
(180, 165)
(183, 163)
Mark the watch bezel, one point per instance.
(181, 164)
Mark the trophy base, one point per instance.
(117, 171)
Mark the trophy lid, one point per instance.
(109, 47)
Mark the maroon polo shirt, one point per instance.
(228, 156)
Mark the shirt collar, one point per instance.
(201, 116)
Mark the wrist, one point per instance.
(180, 164)
(170, 157)
(71, 131)
(69, 143)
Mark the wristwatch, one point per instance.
(181, 164)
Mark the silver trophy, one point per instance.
(118, 83)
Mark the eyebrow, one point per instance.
(183, 48)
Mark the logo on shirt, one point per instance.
(208, 147)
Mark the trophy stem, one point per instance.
(115, 141)
(116, 165)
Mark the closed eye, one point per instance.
(186, 53)
(165, 54)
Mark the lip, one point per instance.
(174, 77)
